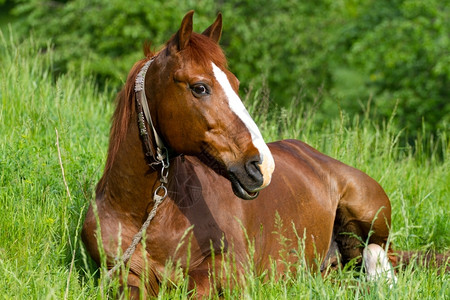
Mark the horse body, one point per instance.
(315, 188)
(315, 197)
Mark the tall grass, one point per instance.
(41, 256)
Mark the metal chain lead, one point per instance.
(157, 199)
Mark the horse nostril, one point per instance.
(253, 170)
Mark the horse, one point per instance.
(181, 133)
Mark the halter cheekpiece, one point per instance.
(143, 114)
(161, 156)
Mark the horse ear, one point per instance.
(185, 31)
(214, 31)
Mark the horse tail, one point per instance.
(423, 258)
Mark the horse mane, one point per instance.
(121, 118)
(200, 49)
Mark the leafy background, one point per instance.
(334, 54)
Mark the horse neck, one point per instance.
(130, 181)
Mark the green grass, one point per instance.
(40, 223)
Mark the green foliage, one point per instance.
(281, 44)
(104, 36)
(400, 50)
(40, 223)
(345, 51)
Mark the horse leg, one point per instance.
(133, 285)
(207, 278)
(363, 217)
(333, 258)
(200, 281)
(143, 269)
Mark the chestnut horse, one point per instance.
(194, 112)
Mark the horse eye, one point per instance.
(200, 90)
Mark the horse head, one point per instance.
(194, 103)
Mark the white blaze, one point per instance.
(267, 163)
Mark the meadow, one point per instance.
(55, 130)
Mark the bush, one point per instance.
(400, 49)
(344, 51)
(105, 36)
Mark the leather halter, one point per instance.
(160, 153)
(161, 156)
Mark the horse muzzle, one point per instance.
(249, 178)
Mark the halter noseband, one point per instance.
(143, 111)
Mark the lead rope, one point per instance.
(158, 199)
